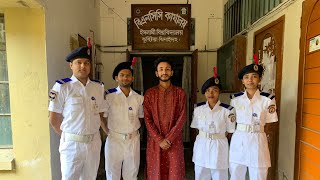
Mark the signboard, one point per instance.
(314, 43)
(160, 26)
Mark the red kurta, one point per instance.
(165, 115)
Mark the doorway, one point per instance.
(145, 78)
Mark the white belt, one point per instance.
(250, 128)
(123, 136)
(211, 135)
(77, 138)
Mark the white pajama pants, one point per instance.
(122, 156)
(238, 172)
(80, 161)
(202, 173)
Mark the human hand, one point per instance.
(165, 145)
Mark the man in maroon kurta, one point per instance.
(165, 115)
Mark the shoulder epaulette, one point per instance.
(236, 95)
(112, 90)
(227, 106)
(201, 103)
(268, 95)
(97, 81)
(63, 81)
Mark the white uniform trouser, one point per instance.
(80, 160)
(125, 154)
(238, 172)
(202, 173)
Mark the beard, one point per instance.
(125, 85)
(164, 80)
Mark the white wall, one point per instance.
(289, 87)
(63, 19)
(208, 15)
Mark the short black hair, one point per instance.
(160, 60)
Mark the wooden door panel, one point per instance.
(307, 155)
(312, 75)
(310, 161)
(194, 90)
(311, 170)
(316, 14)
(310, 137)
(312, 60)
(305, 176)
(311, 153)
(311, 91)
(311, 106)
(311, 121)
(313, 29)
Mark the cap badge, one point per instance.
(88, 52)
(216, 81)
(255, 67)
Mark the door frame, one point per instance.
(274, 127)
(194, 75)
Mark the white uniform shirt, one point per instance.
(212, 153)
(251, 149)
(123, 112)
(79, 105)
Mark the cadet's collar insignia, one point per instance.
(272, 109)
(88, 51)
(130, 108)
(232, 117)
(52, 95)
(254, 115)
(216, 80)
(255, 67)
(93, 98)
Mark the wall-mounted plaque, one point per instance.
(314, 43)
(160, 26)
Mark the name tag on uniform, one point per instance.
(131, 114)
(94, 105)
(212, 125)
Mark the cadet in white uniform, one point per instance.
(124, 108)
(249, 145)
(213, 119)
(75, 107)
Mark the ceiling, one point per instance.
(19, 3)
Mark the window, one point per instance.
(5, 114)
(240, 14)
